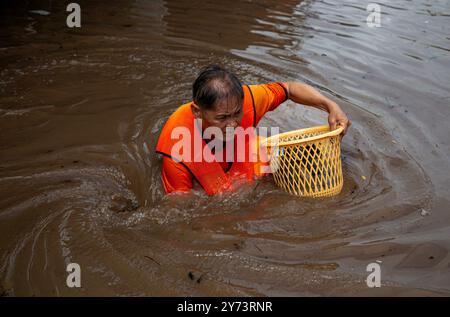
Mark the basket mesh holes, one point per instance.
(312, 169)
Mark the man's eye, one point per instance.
(237, 113)
(220, 118)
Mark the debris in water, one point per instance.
(123, 204)
(40, 12)
(363, 177)
(200, 278)
(150, 258)
(424, 212)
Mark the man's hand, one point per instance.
(337, 117)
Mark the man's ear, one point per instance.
(196, 111)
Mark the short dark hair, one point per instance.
(215, 84)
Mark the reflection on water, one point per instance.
(80, 111)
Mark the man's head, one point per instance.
(218, 97)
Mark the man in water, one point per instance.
(222, 104)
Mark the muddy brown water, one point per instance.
(81, 109)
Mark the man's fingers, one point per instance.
(349, 123)
(345, 124)
(333, 125)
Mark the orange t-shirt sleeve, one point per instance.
(268, 97)
(175, 177)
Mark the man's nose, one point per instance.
(232, 124)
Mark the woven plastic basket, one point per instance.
(307, 162)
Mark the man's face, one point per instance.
(224, 115)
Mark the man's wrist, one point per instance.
(328, 105)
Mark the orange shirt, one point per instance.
(267, 97)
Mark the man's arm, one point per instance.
(307, 95)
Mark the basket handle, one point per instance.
(341, 128)
(339, 125)
(335, 132)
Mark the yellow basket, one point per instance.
(307, 162)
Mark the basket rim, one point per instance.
(335, 132)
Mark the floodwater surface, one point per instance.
(81, 110)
